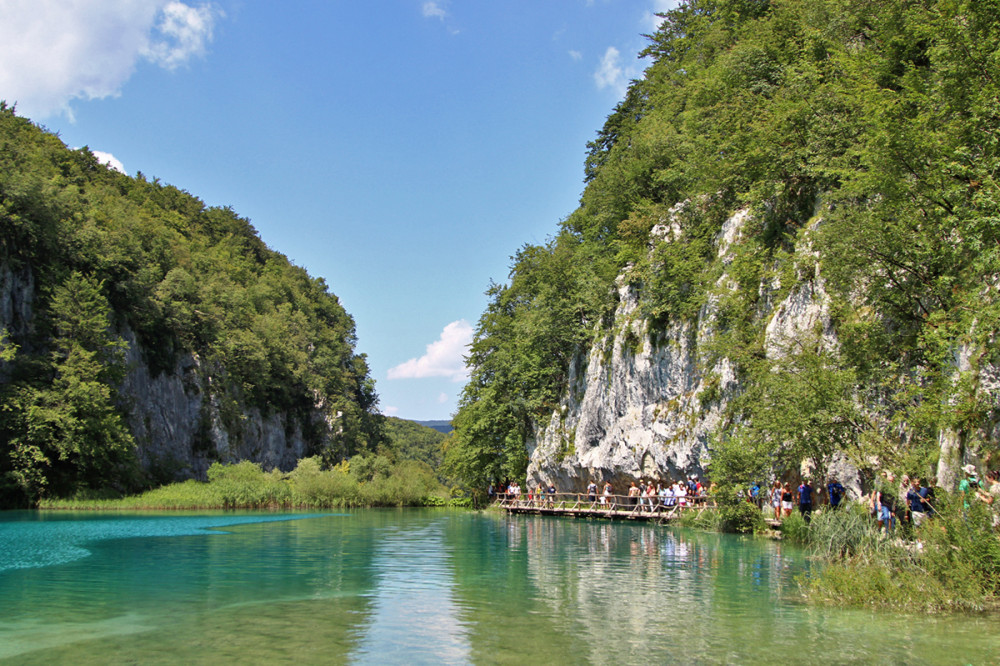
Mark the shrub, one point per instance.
(701, 520)
(312, 486)
(961, 547)
(737, 515)
(245, 485)
(853, 582)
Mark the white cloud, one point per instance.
(576, 55)
(609, 73)
(444, 357)
(437, 9)
(184, 32)
(55, 51)
(110, 160)
(434, 10)
(442, 398)
(390, 411)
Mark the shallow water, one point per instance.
(428, 586)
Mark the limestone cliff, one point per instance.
(642, 405)
(851, 308)
(184, 419)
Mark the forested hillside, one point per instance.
(97, 267)
(410, 440)
(860, 138)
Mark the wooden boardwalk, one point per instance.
(614, 507)
(619, 507)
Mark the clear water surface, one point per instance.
(429, 587)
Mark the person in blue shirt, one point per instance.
(836, 492)
(915, 496)
(883, 502)
(806, 500)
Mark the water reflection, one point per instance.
(425, 586)
(413, 617)
(605, 592)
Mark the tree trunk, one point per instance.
(950, 462)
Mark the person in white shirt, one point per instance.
(666, 495)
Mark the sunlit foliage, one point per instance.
(862, 138)
(106, 254)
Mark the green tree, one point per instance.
(67, 436)
(861, 136)
(187, 280)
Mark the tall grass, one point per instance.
(245, 485)
(848, 532)
(794, 529)
(708, 519)
(951, 562)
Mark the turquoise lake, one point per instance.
(429, 587)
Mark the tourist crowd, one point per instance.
(645, 494)
(909, 500)
(889, 502)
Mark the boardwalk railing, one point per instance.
(608, 506)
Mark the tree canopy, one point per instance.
(106, 253)
(864, 130)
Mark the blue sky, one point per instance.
(401, 149)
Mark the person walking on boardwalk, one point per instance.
(970, 484)
(666, 494)
(786, 499)
(651, 495)
(884, 503)
(776, 499)
(915, 500)
(680, 492)
(592, 492)
(992, 495)
(806, 500)
(606, 496)
(835, 491)
(633, 494)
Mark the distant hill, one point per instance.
(413, 440)
(440, 426)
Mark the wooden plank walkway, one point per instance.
(619, 507)
(615, 507)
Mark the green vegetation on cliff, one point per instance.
(862, 137)
(100, 254)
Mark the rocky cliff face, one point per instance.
(182, 422)
(185, 419)
(17, 288)
(640, 406)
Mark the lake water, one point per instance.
(429, 587)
